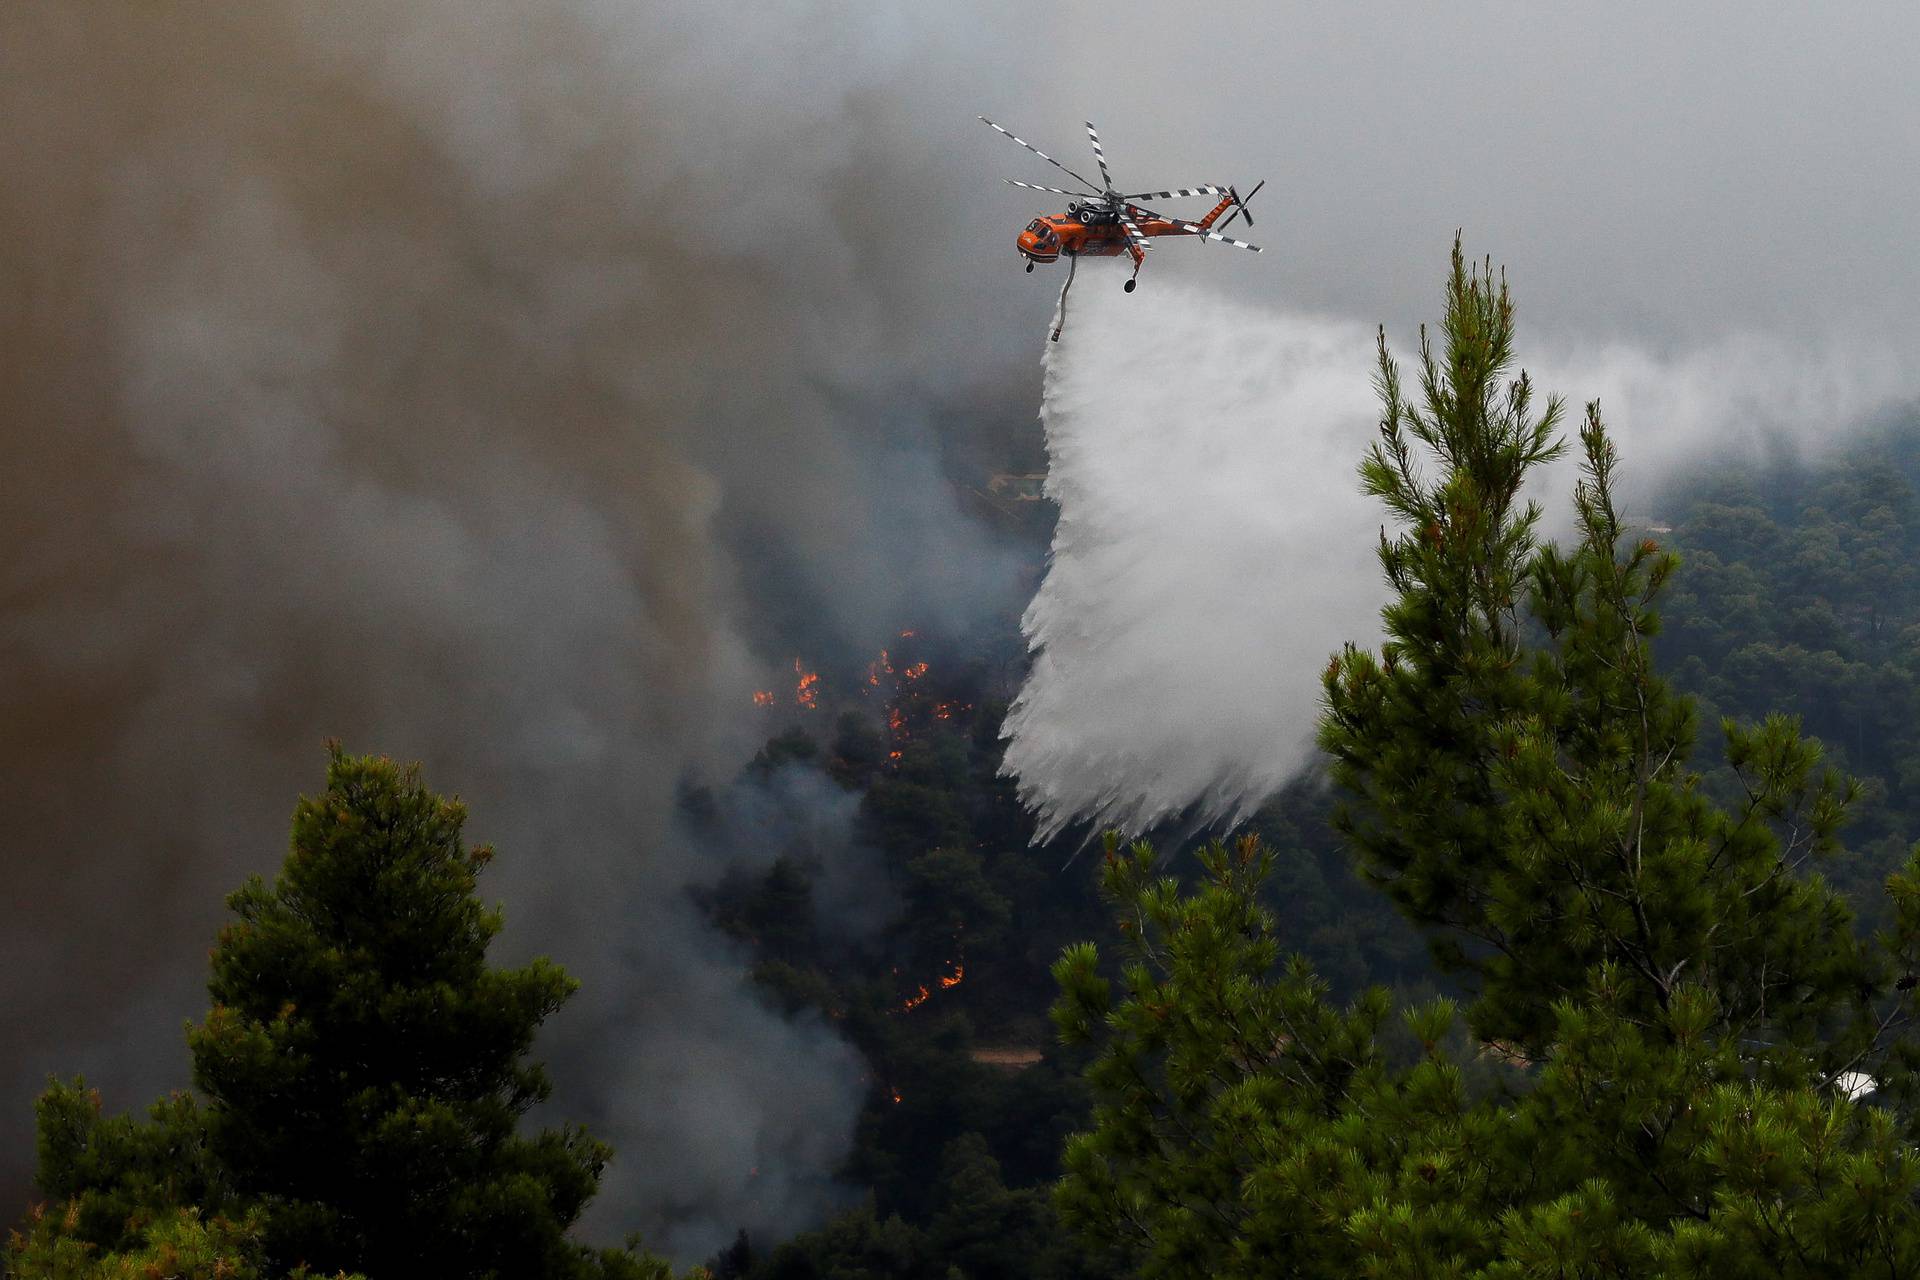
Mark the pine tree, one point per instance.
(1531, 798)
(177, 1245)
(366, 1068)
(364, 1072)
(1667, 1003)
(115, 1175)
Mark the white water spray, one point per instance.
(1196, 450)
(1214, 548)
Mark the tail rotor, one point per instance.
(1240, 204)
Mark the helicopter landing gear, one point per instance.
(1128, 286)
(1029, 268)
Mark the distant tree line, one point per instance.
(1800, 595)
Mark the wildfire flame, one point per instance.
(807, 691)
(943, 982)
(915, 671)
(763, 697)
(897, 726)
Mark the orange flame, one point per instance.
(915, 671)
(807, 691)
(763, 697)
(945, 982)
(897, 726)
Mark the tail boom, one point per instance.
(1206, 223)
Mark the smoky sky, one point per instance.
(517, 387)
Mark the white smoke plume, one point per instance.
(1214, 548)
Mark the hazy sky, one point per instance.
(1666, 170)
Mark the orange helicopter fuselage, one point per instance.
(1045, 239)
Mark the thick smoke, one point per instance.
(490, 385)
(1214, 548)
(705, 1050)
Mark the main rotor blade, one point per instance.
(1133, 233)
(1043, 155)
(1178, 191)
(1195, 228)
(1099, 156)
(1201, 231)
(1034, 186)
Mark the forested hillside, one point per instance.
(1266, 1055)
(1800, 600)
(1793, 593)
(1798, 593)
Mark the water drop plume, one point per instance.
(1214, 547)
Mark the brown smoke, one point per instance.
(432, 376)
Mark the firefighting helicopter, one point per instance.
(1102, 223)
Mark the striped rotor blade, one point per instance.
(1199, 230)
(1099, 155)
(1133, 232)
(1193, 228)
(1178, 191)
(1043, 155)
(1034, 186)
